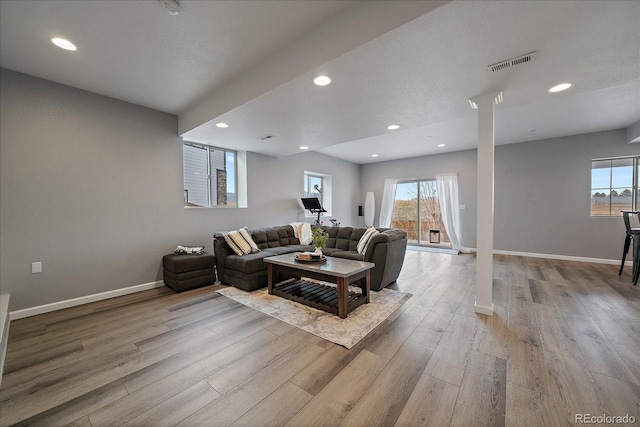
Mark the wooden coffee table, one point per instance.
(286, 279)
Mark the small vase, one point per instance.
(318, 251)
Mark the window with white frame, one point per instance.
(318, 185)
(313, 186)
(614, 185)
(210, 176)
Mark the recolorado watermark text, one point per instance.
(604, 419)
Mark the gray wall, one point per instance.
(542, 193)
(543, 196)
(92, 187)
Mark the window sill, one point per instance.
(215, 207)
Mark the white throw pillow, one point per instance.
(241, 242)
(363, 243)
(237, 243)
(247, 236)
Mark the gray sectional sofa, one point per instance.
(249, 272)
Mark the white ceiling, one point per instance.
(419, 74)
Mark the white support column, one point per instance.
(486, 148)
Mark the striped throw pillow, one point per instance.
(245, 233)
(363, 243)
(237, 243)
(240, 241)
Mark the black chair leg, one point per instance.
(627, 243)
(636, 258)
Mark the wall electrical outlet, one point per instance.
(36, 267)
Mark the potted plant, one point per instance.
(320, 238)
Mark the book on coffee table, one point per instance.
(309, 256)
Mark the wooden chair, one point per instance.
(632, 234)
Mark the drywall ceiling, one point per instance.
(135, 51)
(251, 64)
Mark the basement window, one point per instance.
(318, 185)
(614, 186)
(210, 176)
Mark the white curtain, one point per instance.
(388, 197)
(448, 195)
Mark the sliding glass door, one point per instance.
(417, 211)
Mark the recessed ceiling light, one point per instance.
(393, 127)
(222, 125)
(322, 80)
(442, 145)
(64, 44)
(560, 87)
(374, 155)
(304, 147)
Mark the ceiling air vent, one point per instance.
(522, 59)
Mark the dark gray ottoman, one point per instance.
(184, 272)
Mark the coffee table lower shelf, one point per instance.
(316, 295)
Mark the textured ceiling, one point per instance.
(135, 51)
(418, 71)
(422, 74)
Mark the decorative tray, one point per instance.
(321, 259)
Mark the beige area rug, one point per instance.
(346, 332)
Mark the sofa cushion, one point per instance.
(356, 235)
(247, 281)
(303, 248)
(348, 255)
(286, 235)
(260, 237)
(249, 263)
(274, 236)
(289, 249)
(339, 237)
(330, 251)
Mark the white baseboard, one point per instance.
(562, 257)
(41, 309)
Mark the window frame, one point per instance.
(308, 177)
(635, 185)
(325, 195)
(209, 150)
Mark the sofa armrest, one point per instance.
(389, 235)
(221, 250)
(386, 250)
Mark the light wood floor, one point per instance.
(565, 340)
